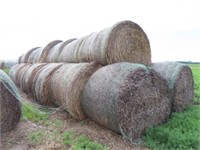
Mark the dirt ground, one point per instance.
(17, 139)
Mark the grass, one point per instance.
(36, 137)
(182, 131)
(81, 142)
(6, 70)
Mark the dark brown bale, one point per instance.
(29, 76)
(35, 55)
(45, 51)
(9, 104)
(55, 51)
(126, 98)
(124, 41)
(67, 84)
(180, 82)
(40, 84)
(14, 72)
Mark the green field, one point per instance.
(182, 131)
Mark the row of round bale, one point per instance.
(107, 77)
(124, 41)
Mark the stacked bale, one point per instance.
(125, 41)
(21, 73)
(14, 72)
(126, 98)
(24, 57)
(180, 81)
(56, 50)
(9, 104)
(67, 84)
(40, 84)
(35, 55)
(28, 77)
(47, 48)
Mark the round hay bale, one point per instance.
(126, 98)
(22, 58)
(28, 54)
(55, 51)
(19, 59)
(47, 48)
(67, 84)
(21, 75)
(14, 72)
(123, 42)
(35, 55)
(180, 81)
(40, 84)
(9, 104)
(29, 76)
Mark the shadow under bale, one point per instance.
(40, 84)
(56, 50)
(126, 98)
(9, 104)
(124, 41)
(180, 81)
(67, 84)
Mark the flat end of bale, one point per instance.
(143, 102)
(128, 42)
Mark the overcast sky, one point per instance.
(173, 26)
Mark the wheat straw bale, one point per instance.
(29, 53)
(9, 104)
(40, 84)
(14, 72)
(180, 82)
(47, 48)
(29, 76)
(124, 41)
(126, 98)
(55, 51)
(67, 84)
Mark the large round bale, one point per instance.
(67, 84)
(14, 72)
(56, 50)
(126, 98)
(180, 81)
(35, 55)
(9, 104)
(22, 74)
(40, 84)
(47, 48)
(29, 76)
(124, 41)
(29, 53)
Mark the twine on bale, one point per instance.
(47, 48)
(9, 104)
(180, 81)
(29, 76)
(55, 51)
(126, 98)
(67, 84)
(125, 41)
(40, 84)
(14, 72)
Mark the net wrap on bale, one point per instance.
(56, 50)
(180, 81)
(125, 41)
(40, 84)
(9, 104)
(126, 98)
(67, 84)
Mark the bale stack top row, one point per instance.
(123, 42)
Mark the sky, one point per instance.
(172, 26)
